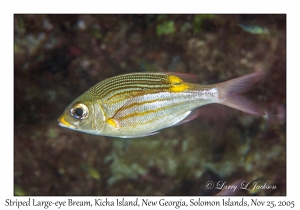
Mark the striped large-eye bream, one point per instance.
(140, 104)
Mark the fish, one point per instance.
(140, 104)
(254, 29)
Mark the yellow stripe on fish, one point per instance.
(140, 104)
(146, 112)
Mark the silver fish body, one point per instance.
(140, 104)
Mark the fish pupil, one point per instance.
(79, 112)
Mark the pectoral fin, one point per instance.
(113, 122)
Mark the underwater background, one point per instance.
(58, 57)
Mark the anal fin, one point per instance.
(191, 116)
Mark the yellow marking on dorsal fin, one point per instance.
(113, 122)
(177, 85)
(174, 80)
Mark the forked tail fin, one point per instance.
(230, 93)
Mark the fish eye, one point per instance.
(79, 111)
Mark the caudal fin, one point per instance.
(230, 93)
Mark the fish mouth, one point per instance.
(63, 123)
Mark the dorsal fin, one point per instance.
(192, 78)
